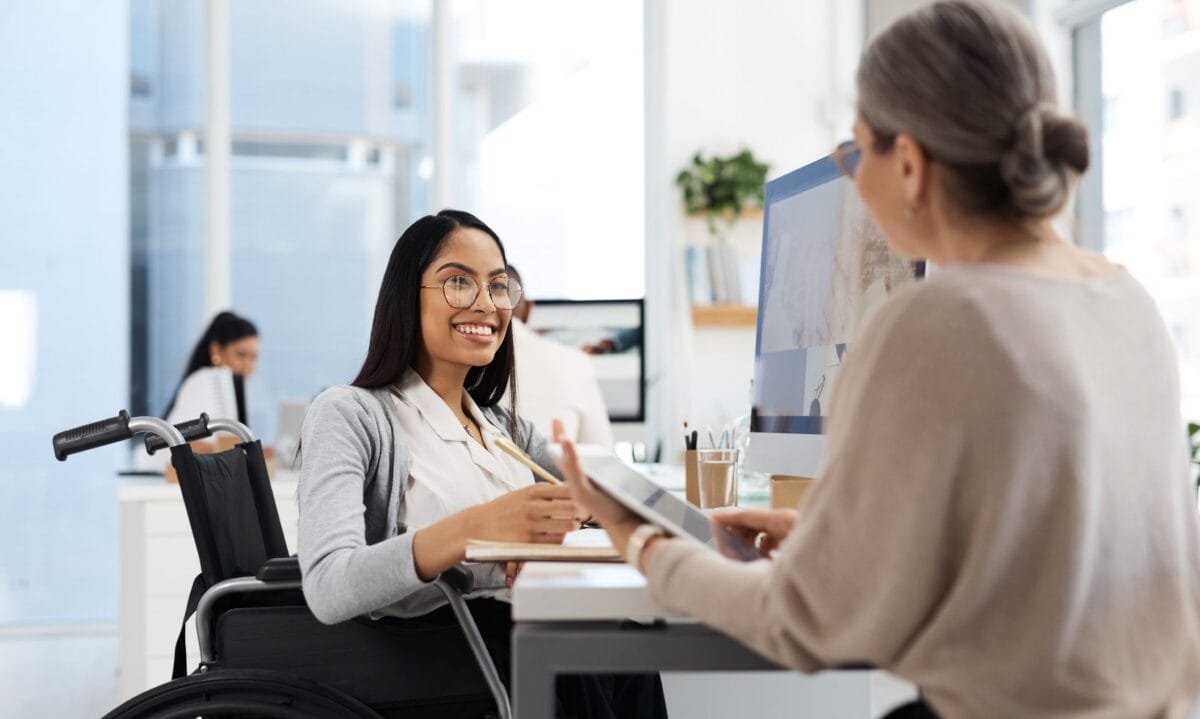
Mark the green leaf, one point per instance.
(720, 187)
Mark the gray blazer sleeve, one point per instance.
(343, 575)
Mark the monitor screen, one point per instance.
(825, 266)
(610, 331)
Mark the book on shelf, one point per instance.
(716, 274)
(482, 550)
(699, 288)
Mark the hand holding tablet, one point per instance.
(644, 498)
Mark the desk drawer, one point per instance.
(161, 622)
(171, 565)
(159, 666)
(167, 517)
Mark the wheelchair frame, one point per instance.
(277, 574)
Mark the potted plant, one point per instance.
(1194, 446)
(720, 188)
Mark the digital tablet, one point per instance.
(645, 498)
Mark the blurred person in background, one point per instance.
(556, 381)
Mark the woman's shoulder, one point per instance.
(347, 402)
(206, 377)
(207, 389)
(935, 315)
(210, 372)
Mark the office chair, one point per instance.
(262, 652)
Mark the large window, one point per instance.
(332, 140)
(1138, 72)
(548, 129)
(330, 122)
(332, 156)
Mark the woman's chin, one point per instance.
(480, 357)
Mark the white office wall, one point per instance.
(778, 78)
(772, 76)
(64, 252)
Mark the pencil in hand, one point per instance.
(515, 452)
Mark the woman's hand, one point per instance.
(541, 513)
(764, 528)
(616, 520)
(538, 513)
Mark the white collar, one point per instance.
(413, 390)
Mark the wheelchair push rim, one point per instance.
(241, 693)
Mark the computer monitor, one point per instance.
(614, 329)
(825, 266)
(288, 423)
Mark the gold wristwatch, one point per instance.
(637, 542)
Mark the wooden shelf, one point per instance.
(747, 213)
(724, 315)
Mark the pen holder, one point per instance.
(691, 473)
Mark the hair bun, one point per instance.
(1047, 152)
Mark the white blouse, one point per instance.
(208, 390)
(450, 470)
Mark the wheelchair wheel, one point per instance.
(241, 693)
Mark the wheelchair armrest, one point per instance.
(459, 579)
(280, 569)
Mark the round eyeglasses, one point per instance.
(847, 156)
(461, 291)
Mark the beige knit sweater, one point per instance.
(1003, 514)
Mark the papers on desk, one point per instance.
(585, 545)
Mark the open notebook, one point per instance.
(585, 545)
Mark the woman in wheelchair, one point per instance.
(399, 469)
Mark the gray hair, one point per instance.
(971, 83)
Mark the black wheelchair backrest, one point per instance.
(231, 510)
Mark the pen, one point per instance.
(513, 451)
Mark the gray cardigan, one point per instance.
(354, 558)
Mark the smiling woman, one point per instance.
(402, 468)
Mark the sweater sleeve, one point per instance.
(872, 552)
(343, 576)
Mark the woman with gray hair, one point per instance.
(1003, 515)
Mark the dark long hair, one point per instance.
(225, 328)
(396, 329)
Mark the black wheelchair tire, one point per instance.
(241, 693)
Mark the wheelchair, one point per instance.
(262, 652)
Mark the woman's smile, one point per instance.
(481, 333)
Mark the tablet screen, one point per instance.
(646, 498)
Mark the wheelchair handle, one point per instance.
(192, 429)
(107, 431)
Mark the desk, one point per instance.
(575, 618)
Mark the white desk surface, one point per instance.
(570, 591)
